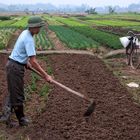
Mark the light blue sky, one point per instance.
(94, 3)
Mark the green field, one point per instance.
(71, 38)
(77, 32)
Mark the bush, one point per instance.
(5, 18)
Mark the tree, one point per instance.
(111, 10)
(91, 11)
(26, 11)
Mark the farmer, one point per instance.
(23, 55)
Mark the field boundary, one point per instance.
(55, 52)
(115, 52)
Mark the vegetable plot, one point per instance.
(21, 22)
(5, 35)
(71, 38)
(6, 23)
(103, 38)
(42, 40)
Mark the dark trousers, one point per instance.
(15, 81)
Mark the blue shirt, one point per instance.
(24, 47)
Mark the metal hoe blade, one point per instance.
(90, 109)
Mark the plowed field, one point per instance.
(116, 116)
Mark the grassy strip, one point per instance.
(121, 23)
(124, 16)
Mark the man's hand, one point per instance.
(48, 78)
(28, 65)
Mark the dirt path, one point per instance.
(116, 116)
(114, 52)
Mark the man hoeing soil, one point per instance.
(23, 55)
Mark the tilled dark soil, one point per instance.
(116, 117)
(3, 84)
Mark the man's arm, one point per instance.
(36, 66)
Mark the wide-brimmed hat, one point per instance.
(35, 21)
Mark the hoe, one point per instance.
(92, 105)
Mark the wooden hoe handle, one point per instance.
(64, 87)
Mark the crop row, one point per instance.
(73, 39)
(42, 40)
(21, 23)
(6, 23)
(5, 35)
(121, 16)
(122, 23)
